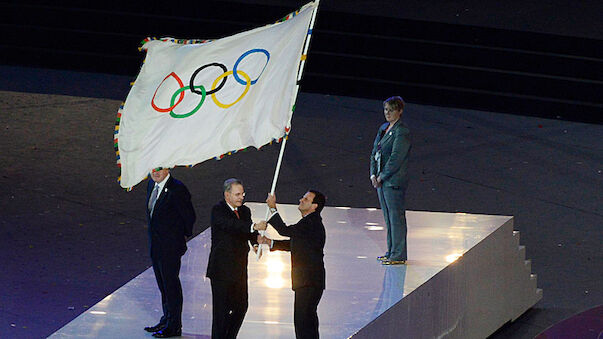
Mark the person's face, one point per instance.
(305, 203)
(391, 115)
(236, 195)
(158, 176)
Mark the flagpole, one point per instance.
(293, 99)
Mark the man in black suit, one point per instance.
(307, 241)
(231, 232)
(170, 217)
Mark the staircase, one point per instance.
(525, 292)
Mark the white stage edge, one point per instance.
(466, 276)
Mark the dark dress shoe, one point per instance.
(393, 262)
(155, 328)
(168, 333)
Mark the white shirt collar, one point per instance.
(162, 184)
(231, 208)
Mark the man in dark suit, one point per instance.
(170, 217)
(307, 241)
(231, 232)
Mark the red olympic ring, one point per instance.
(165, 110)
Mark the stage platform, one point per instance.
(466, 276)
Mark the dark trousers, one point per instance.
(392, 201)
(167, 269)
(229, 305)
(304, 312)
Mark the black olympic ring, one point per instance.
(202, 68)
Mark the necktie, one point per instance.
(237, 213)
(153, 199)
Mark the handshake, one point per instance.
(261, 240)
(261, 226)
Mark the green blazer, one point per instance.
(394, 147)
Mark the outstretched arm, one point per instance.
(275, 245)
(223, 220)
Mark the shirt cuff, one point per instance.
(252, 223)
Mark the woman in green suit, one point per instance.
(389, 163)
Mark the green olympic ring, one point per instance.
(180, 90)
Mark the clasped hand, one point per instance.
(263, 240)
(376, 181)
(260, 225)
(271, 200)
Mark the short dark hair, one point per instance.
(229, 182)
(395, 102)
(319, 199)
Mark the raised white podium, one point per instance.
(466, 276)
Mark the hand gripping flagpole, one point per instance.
(293, 99)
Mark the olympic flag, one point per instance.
(195, 101)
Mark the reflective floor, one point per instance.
(359, 289)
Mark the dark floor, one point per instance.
(70, 235)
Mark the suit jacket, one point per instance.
(306, 245)
(395, 147)
(172, 220)
(230, 238)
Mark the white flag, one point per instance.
(196, 101)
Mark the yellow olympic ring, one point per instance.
(213, 86)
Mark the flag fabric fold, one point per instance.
(196, 101)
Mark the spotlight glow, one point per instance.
(453, 257)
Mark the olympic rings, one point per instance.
(247, 85)
(216, 85)
(179, 91)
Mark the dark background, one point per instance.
(521, 57)
(69, 235)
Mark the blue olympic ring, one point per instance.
(255, 50)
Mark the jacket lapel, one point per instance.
(163, 195)
(227, 208)
(388, 135)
